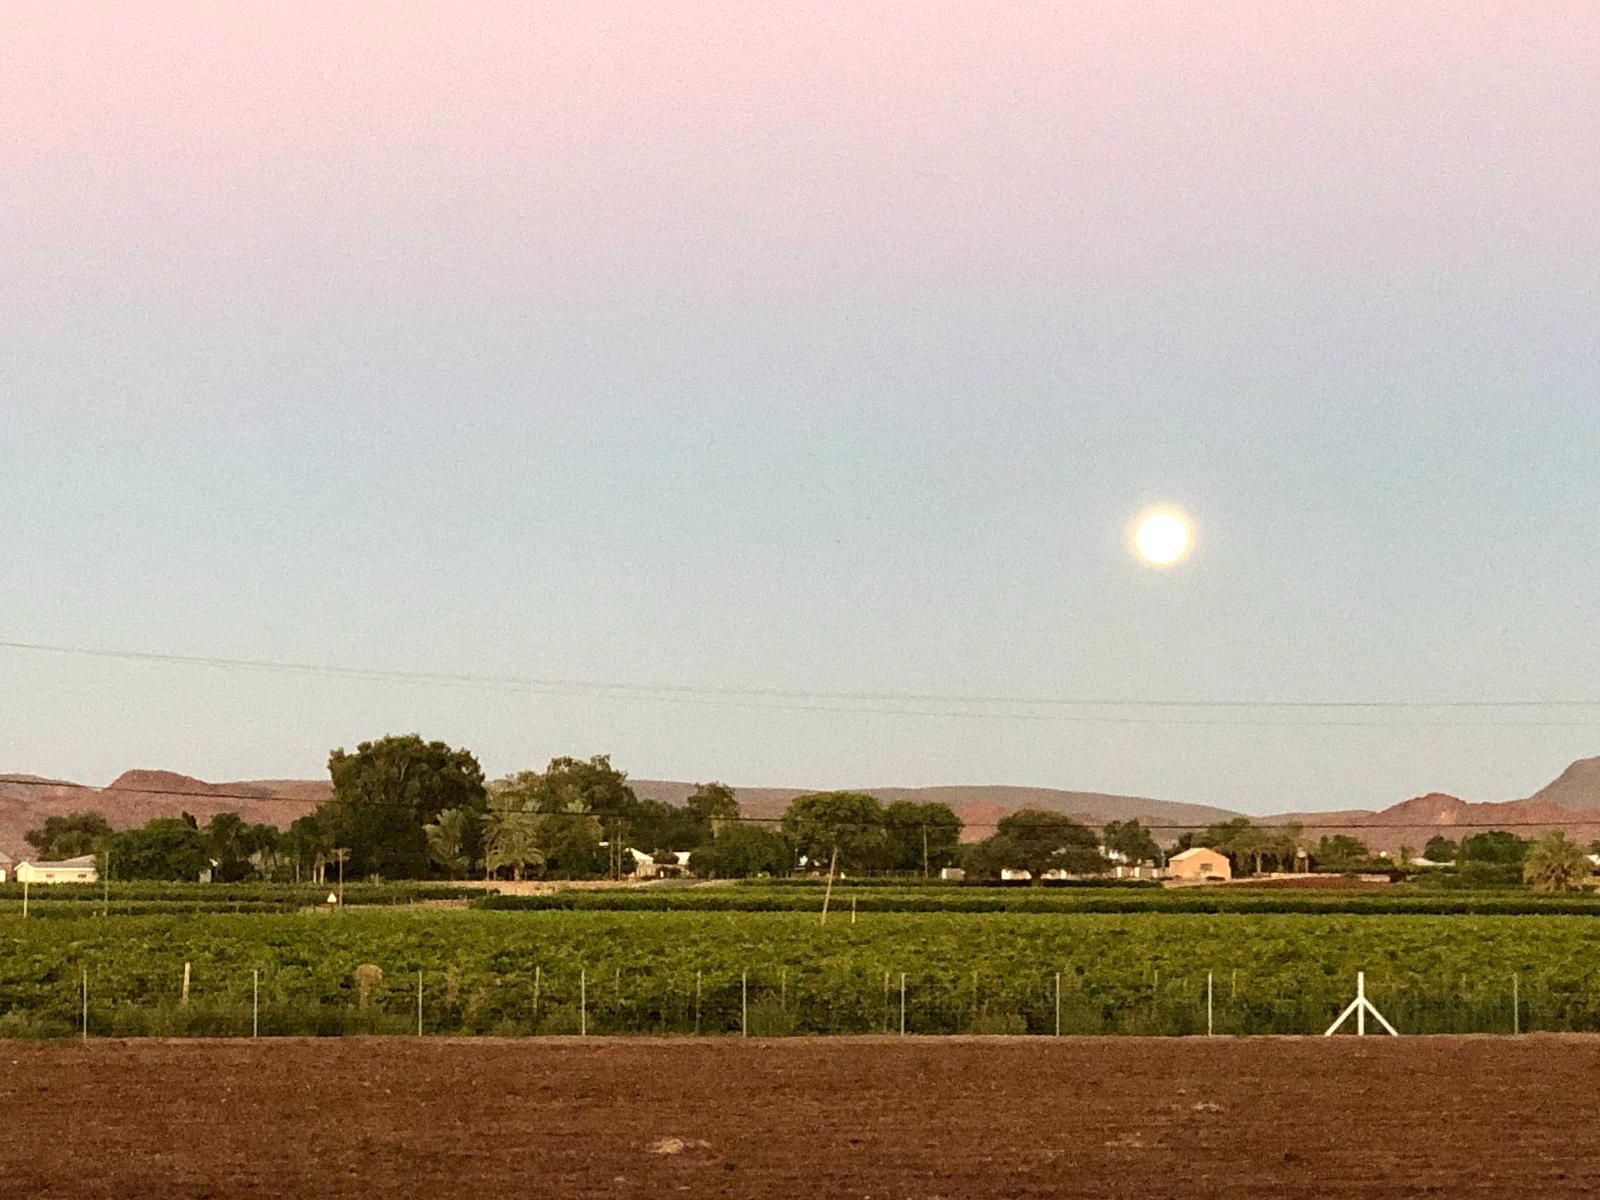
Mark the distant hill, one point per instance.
(1570, 802)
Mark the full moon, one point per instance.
(1162, 538)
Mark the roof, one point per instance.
(68, 864)
(1196, 850)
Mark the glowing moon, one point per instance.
(1163, 538)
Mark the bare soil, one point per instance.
(947, 1117)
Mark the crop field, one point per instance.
(878, 1117)
(775, 974)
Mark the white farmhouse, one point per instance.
(72, 870)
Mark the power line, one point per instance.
(257, 798)
(1129, 711)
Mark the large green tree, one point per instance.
(167, 848)
(594, 788)
(922, 837)
(1037, 841)
(386, 792)
(1496, 846)
(713, 804)
(1440, 849)
(71, 836)
(852, 822)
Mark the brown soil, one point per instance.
(866, 1117)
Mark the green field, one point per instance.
(782, 973)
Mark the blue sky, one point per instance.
(841, 368)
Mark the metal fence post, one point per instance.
(697, 1003)
(255, 1003)
(86, 1004)
(583, 1002)
(744, 1004)
(538, 979)
(1516, 1004)
(419, 1003)
(1058, 1003)
(1208, 1004)
(902, 1004)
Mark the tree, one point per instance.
(596, 789)
(1406, 855)
(542, 822)
(387, 791)
(1341, 852)
(851, 822)
(71, 836)
(1241, 840)
(1555, 865)
(922, 838)
(1440, 849)
(308, 844)
(1037, 841)
(167, 848)
(743, 852)
(1497, 846)
(713, 804)
(1133, 841)
(447, 840)
(230, 845)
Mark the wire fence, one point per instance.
(774, 1002)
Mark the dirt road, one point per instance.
(802, 1118)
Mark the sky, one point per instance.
(806, 348)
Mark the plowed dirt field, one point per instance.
(1471, 1116)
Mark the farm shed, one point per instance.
(72, 870)
(1199, 864)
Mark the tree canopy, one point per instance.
(167, 848)
(743, 852)
(71, 836)
(1037, 841)
(851, 821)
(1133, 841)
(1555, 864)
(920, 837)
(386, 792)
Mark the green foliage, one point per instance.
(677, 972)
(1556, 865)
(387, 791)
(921, 837)
(742, 851)
(167, 848)
(1440, 849)
(1133, 841)
(712, 803)
(1495, 846)
(71, 836)
(1036, 841)
(1341, 852)
(851, 822)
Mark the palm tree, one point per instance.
(447, 837)
(1555, 864)
(513, 841)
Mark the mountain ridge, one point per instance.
(1571, 801)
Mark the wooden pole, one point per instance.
(24, 897)
(744, 1004)
(419, 1003)
(1058, 1003)
(828, 894)
(255, 1003)
(1516, 1004)
(852, 910)
(583, 1002)
(86, 1004)
(183, 996)
(1208, 1004)
(1361, 1004)
(697, 1003)
(902, 1004)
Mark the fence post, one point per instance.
(1058, 1003)
(783, 989)
(744, 1004)
(902, 1004)
(1155, 992)
(183, 997)
(583, 1002)
(886, 1002)
(255, 1003)
(697, 1003)
(1516, 1004)
(1208, 1004)
(25, 898)
(86, 1004)
(419, 1003)
(538, 978)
